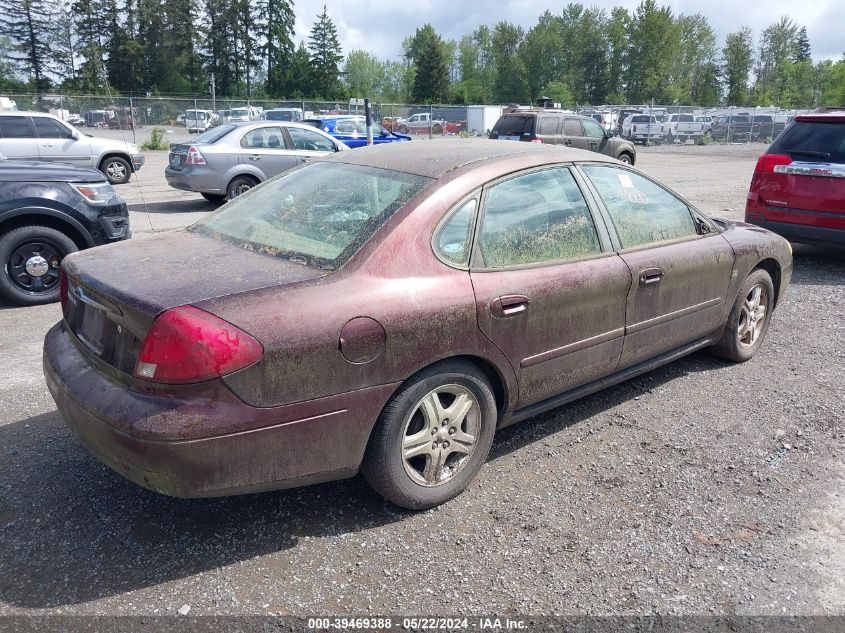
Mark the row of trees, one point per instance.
(246, 47)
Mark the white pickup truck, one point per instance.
(644, 128)
(684, 127)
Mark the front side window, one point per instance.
(50, 128)
(593, 129)
(454, 238)
(14, 127)
(320, 215)
(309, 140)
(642, 211)
(538, 217)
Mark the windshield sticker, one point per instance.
(625, 181)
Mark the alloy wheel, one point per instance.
(440, 435)
(752, 316)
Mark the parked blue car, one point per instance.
(352, 130)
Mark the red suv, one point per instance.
(798, 187)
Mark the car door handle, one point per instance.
(509, 306)
(255, 157)
(47, 145)
(567, 142)
(651, 276)
(304, 159)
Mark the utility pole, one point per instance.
(213, 94)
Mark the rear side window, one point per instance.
(642, 212)
(50, 128)
(547, 125)
(15, 127)
(822, 141)
(572, 127)
(537, 217)
(264, 138)
(514, 125)
(455, 237)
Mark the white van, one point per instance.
(198, 120)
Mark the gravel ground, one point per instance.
(703, 487)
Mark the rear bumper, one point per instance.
(206, 442)
(191, 180)
(802, 233)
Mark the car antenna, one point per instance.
(123, 136)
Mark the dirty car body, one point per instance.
(510, 262)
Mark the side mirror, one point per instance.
(74, 134)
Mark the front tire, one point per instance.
(117, 170)
(749, 319)
(31, 257)
(432, 437)
(626, 158)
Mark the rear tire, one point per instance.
(31, 257)
(240, 185)
(432, 437)
(213, 197)
(749, 319)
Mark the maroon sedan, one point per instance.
(384, 311)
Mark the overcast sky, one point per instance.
(379, 26)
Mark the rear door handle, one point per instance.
(651, 276)
(255, 157)
(509, 306)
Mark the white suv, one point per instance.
(41, 136)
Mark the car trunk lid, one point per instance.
(113, 300)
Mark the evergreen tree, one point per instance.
(802, 46)
(90, 16)
(27, 24)
(431, 80)
(276, 19)
(64, 43)
(326, 57)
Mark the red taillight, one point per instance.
(773, 163)
(769, 164)
(63, 290)
(536, 140)
(194, 157)
(187, 345)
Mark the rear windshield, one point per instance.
(196, 115)
(685, 118)
(239, 112)
(320, 215)
(215, 133)
(514, 125)
(281, 115)
(639, 119)
(812, 141)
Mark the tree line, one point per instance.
(584, 55)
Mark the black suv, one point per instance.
(562, 128)
(48, 210)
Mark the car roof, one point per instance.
(27, 113)
(831, 116)
(435, 158)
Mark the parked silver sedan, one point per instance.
(227, 160)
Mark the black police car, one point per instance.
(48, 210)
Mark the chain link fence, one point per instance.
(649, 124)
